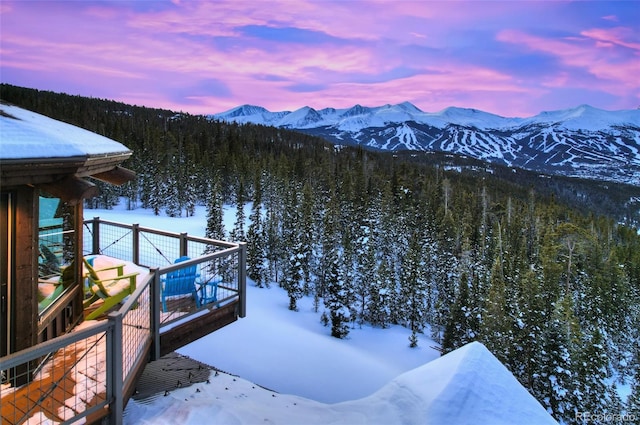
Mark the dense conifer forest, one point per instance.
(544, 271)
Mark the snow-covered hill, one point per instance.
(580, 142)
(466, 386)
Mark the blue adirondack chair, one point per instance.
(180, 282)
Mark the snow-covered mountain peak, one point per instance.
(355, 111)
(410, 107)
(305, 117)
(245, 111)
(469, 117)
(580, 142)
(588, 118)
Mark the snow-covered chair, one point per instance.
(108, 284)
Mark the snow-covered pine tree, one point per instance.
(444, 277)
(553, 382)
(377, 307)
(171, 194)
(528, 338)
(336, 298)
(189, 192)
(307, 237)
(414, 288)
(330, 239)
(366, 261)
(496, 330)
(593, 391)
(237, 233)
(347, 272)
(633, 401)
(274, 191)
(256, 249)
(215, 226)
(458, 330)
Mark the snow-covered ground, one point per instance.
(371, 377)
(467, 386)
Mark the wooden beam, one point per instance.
(117, 176)
(25, 286)
(187, 332)
(71, 189)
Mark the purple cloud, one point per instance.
(510, 58)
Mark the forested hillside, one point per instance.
(538, 269)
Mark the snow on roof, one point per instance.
(466, 386)
(25, 135)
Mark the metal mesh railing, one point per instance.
(71, 384)
(136, 327)
(158, 249)
(113, 240)
(217, 282)
(218, 276)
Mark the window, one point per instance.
(56, 244)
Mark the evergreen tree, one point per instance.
(292, 279)
(336, 299)
(377, 309)
(593, 392)
(256, 249)
(238, 233)
(414, 288)
(307, 234)
(275, 206)
(496, 329)
(329, 245)
(633, 401)
(367, 285)
(553, 382)
(459, 330)
(215, 226)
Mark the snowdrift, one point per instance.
(466, 386)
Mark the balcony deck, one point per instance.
(91, 372)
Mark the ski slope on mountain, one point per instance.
(583, 142)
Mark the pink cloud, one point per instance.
(587, 53)
(369, 52)
(615, 36)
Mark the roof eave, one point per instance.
(34, 171)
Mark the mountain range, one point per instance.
(583, 142)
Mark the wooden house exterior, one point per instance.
(44, 168)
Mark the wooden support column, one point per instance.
(25, 287)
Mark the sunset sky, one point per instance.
(512, 58)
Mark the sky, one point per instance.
(512, 58)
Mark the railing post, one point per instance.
(135, 243)
(183, 244)
(242, 278)
(114, 363)
(95, 241)
(154, 302)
